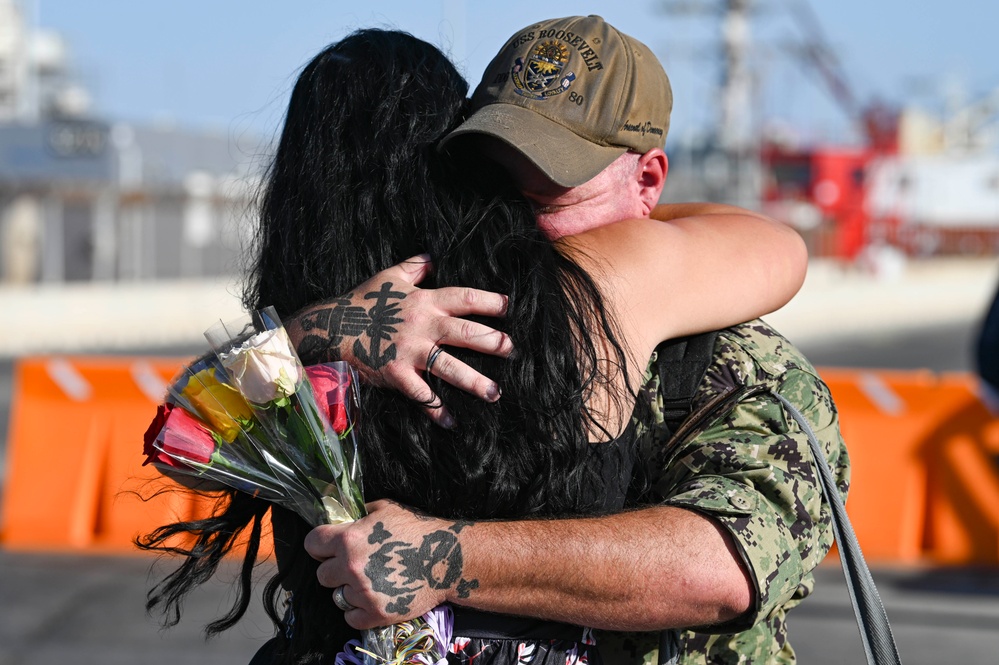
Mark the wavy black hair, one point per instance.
(356, 186)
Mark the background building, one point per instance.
(85, 198)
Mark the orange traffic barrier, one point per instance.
(924, 452)
(924, 485)
(962, 458)
(75, 475)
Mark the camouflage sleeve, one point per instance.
(752, 471)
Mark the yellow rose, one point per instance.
(217, 403)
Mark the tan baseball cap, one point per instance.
(572, 94)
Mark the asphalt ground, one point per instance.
(89, 609)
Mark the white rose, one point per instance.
(264, 367)
(335, 512)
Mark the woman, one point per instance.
(357, 186)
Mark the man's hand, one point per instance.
(389, 329)
(393, 564)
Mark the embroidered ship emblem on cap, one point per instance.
(542, 76)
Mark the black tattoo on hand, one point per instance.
(379, 534)
(398, 569)
(400, 605)
(437, 562)
(326, 327)
(383, 316)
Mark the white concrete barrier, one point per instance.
(834, 303)
(77, 318)
(839, 303)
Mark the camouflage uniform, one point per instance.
(749, 467)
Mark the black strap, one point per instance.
(682, 363)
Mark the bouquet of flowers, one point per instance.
(252, 418)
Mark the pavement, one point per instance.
(88, 608)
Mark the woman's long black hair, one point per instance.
(357, 185)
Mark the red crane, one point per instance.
(831, 178)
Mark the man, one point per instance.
(735, 521)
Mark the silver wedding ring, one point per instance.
(340, 601)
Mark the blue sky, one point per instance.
(229, 64)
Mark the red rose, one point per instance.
(331, 385)
(180, 435)
(184, 435)
(153, 431)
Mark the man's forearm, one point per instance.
(650, 569)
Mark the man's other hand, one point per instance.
(392, 331)
(389, 566)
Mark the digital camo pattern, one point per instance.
(750, 468)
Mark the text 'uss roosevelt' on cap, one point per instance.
(572, 95)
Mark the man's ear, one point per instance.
(651, 173)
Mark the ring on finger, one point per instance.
(340, 601)
(432, 358)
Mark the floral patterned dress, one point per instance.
(516, 640)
